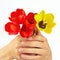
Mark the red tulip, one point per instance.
(17, 16)
(12, 28)
(30, 21)
(25, 32)
(20, 11)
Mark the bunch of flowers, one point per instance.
(29, 22)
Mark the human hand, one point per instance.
(9, 52)
(35, 48)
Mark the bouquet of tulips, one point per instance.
(27, 25)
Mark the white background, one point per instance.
(53, 6)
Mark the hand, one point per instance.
(35, 48)
(9, 52)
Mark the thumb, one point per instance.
(17, 38)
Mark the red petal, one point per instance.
(12, 28)
(20, 11)
(30, 26)
(21, 19)
(30, 21)
(24, 32)
(17, 16)
(13, 14)
(14, 19)
(30, 16)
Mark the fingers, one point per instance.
(29, 57)
(13, 47)
(18, 38)
(33, 44)
(32, 48)
(37, 41)
(33, 51)
(39, 38)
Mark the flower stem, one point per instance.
(35, 31)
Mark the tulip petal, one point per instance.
(12, 28)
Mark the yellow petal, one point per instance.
(37, 18)
(49, 18)
(48, 30)
(42, 14)
(51, 25)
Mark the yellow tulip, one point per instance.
(45, 22)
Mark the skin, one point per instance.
(33, 48)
